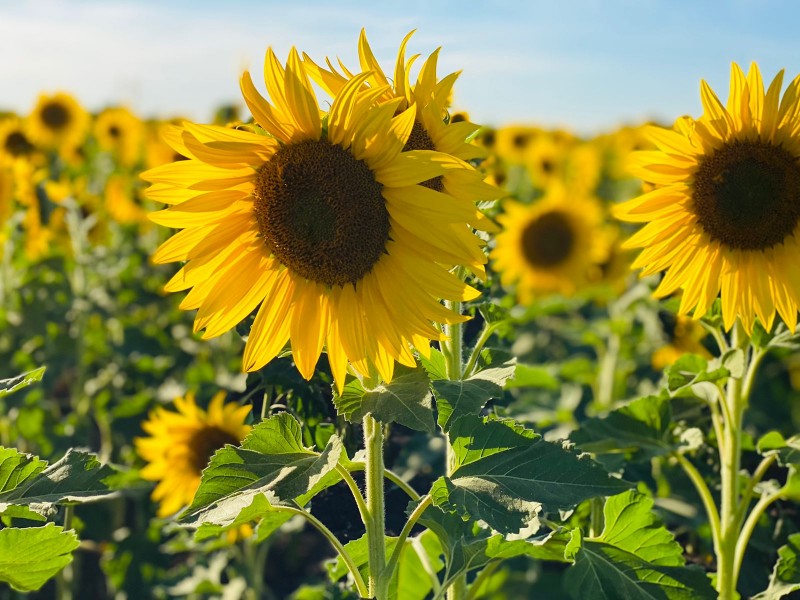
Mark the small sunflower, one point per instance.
(120, 132)
(512, 142)
(58, 121)
(546, 158)
(15, 143)
(724, 217)
(180, 444)
(325, 228)
(549, 246)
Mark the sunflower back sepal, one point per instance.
(406, 400)
(270, 468)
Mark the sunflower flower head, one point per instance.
(550, 246)
(724, 216)
(58, 121)
(324, 232)
(179, 445)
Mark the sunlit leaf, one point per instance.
(31, 556)
(7, 386)
(785, 577)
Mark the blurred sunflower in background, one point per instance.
(120, 132)
(58, 121)
(180, 444)
(549, 246)
(327, 230)
(685, 336)
(724, 217)
(15, 143)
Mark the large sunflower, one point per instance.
(180, 444)
(724, 217)
(324, 227)
(433, 129)
(58, 121)
(549, 246)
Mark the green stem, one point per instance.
(390, 475)
(607, 371)
(337, 545)
(735, 402)
(749, 526)
(487, 572)
(488, 330)
(454, 369)
(751, 484)
(66, 577)
(351, 483)
(375, 525)
(596, 518)
(398, 549)
(705, 496)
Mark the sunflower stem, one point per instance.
(375, 523)
(454, 369)
(735, 400)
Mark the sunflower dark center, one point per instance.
(520, 141)
(747, 194)
(420, 140)
(114, 131)
(55, 115)
(321, 212)
(547, 166)
(17, 144)
(548, 240)
(205, 442)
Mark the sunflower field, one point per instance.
(346, 343)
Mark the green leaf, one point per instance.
(639, 431)
(435, 365)
(455, 399)
(788, 451)
(31, 556)
(691, 369)
(272, 462)
(785, 577)
(359, 552)
(413, 582)
(635, 557)
(505, 473)
(534, 376)
(75, 479)
(16, 468)
(7, 386)
(259, 511)
(406, 400)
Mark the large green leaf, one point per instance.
(635, 557)
(406, 400)
(77, 478)
(31, 556)
(16, 468)
(7, 386)
(505, 473)
(272, 462)
(456, 399)
(785, 577)
(638, 431)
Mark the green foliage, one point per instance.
(455, 399)
(634, 557)
(8, 386)
(272, 466)
(785, 577)
(31, 556)
(406, 400)
(505, 474)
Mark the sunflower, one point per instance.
(724, 217)
(325, 228)
(432, 129)
(549, 246)
(15, 143)
(512, 142)
(180, 444)
(120, 132)
(58, 121)
(545, 158)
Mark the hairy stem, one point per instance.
(375, 525)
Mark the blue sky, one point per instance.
(589, 65)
